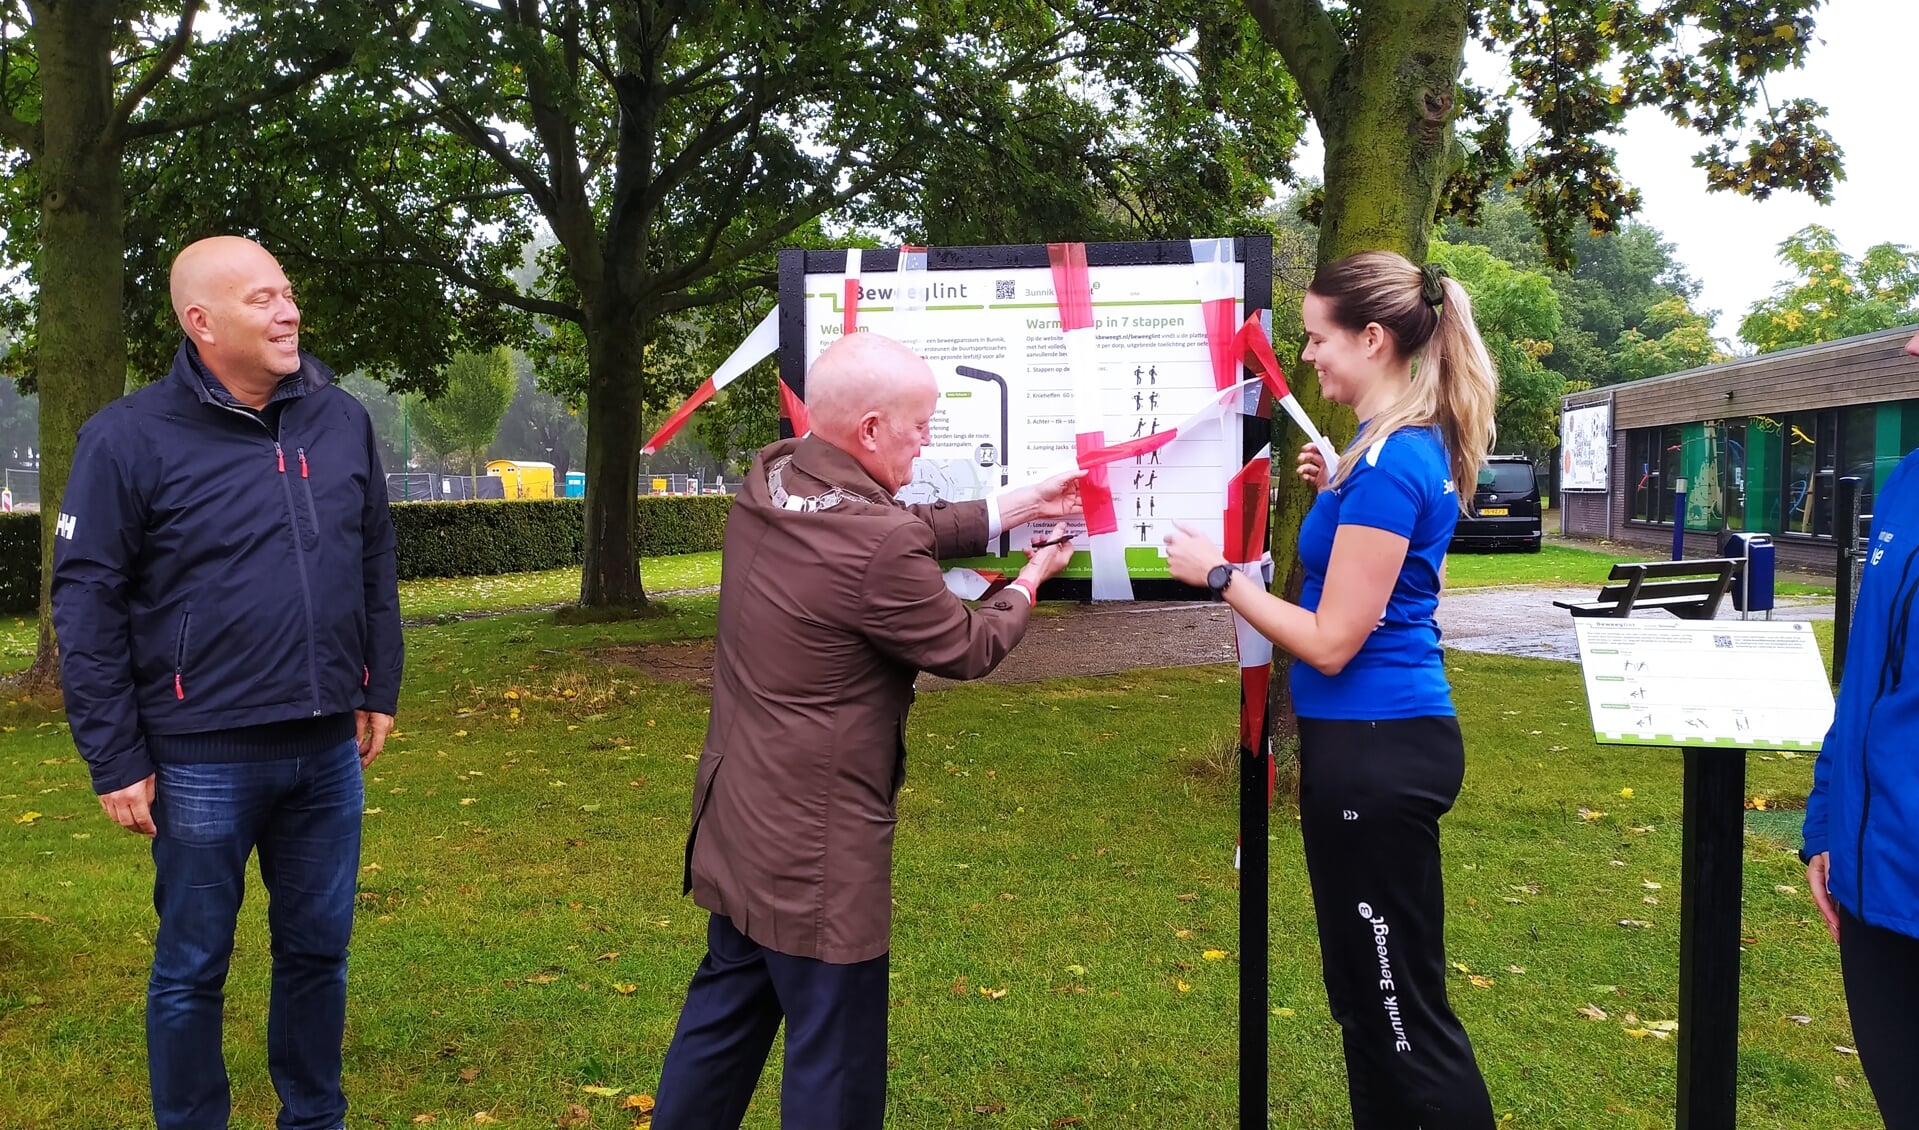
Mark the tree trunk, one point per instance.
(83, 346)
(1389, 142)
(615, 348)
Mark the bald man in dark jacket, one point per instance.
(831, 603)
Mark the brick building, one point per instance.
(1761, 443)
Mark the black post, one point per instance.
(1714, 817)
(1846, 534)
(1253, 898)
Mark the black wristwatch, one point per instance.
(1219, 577)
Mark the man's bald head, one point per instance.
(236, 306)
(873, 398)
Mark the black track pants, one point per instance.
(1371, 795)
(1881, 970)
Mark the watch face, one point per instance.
(1219, 577)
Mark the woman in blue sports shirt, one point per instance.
(1862, 820)
(1381, 757)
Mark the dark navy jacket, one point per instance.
(208, 578)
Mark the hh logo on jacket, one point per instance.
(64, 527)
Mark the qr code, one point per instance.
(1002, 289)
(1722, 641)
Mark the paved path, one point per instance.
(1522, 621)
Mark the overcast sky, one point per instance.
(1866, 74)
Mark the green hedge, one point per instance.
(19, 562)
(462, 539)
(450, 539)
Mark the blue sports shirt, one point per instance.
(1402, 484)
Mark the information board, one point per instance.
(1746, 684)
(1585, 447)
(986, 319)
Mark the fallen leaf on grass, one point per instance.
(1189, 897)
(465, 800)
(469, 1074)
(1076, 970)
(1283, 1012)
(1182, 934)
(1802, 1021)
(541, 978)
(1650, 885)
(1182, 986)
(29, 816)
(1758, 804)
(1480, 982)
(1642, 1033)
(989, 1108)
(602, 1092)
(424, 1119)
(1625, 793)
(483, 1118)
(993, 994)
(1593, 1012)
(576, 1115)
(1785, 890)
(1844, 1050)
(1634, 923)
(626, 988)
(639, 1102)
(1589, 815)
(608, 956)
(372, 811)
(1515, 969)
(1462, 967)
(1214, 955)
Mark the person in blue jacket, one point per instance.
(1862, 819)
(228, 614)
(1381, 757)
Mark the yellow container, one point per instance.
(521, 478)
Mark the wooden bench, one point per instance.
(1690, 590)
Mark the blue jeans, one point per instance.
(303, 814)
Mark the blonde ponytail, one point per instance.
(1454, 386)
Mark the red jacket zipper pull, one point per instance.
(281, 454)
(303, 462)
(179, 691)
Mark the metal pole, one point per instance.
(1679, 520)
(1846, 534)
(406, 447)
(1711, 859)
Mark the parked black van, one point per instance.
(1505, 513)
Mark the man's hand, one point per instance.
(1057, 497)
(1045, 562)
(1189, 556)
(131, 807)
(1817, 874)
(372, 729)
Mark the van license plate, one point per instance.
(1494, 512)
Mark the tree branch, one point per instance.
(154, 127)
(454, 272)
(162, 66)
(25, 136)
(1310, 45)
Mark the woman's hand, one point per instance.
(1190, 556)
(1818, 873)
(1312, 466)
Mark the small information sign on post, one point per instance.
(1715, 689)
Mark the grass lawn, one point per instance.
(1065, 847)
(1561, 562)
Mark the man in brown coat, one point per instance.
(831, 603)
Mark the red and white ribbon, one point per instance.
(1073, 292)
(1257, 348)
(758, 346)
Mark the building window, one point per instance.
(1652, 464)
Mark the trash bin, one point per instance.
(1752, 578)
